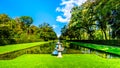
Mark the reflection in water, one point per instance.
(49, 48)
(83, 50)
(40, 49)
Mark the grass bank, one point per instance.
(14, 47)
(105, 48)
(68, 61)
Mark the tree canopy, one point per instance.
(94, 20)
(21, 30)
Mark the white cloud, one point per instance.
(58, 35)
(58, 9)
(65, 8)
(54, 26)
(61, 19)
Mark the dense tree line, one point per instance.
(21, 30)
(94, 20)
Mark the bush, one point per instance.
(103, 42)
(23, 39)
(4, 42)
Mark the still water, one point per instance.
(49, 48)
(84, 50)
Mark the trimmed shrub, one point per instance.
(103, 42)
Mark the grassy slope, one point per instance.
(13, 47)
(68, 61)
(110, 49)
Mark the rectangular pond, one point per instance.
(50, 47)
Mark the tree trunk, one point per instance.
(105, 34)
(109, 34)
(80, 37)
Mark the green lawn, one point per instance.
(110, 49)
(14, 47)
(68, 61)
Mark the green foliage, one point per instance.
(4, 18)
(21, 30)
(93, 17)
(46, 32)
(27, 20)
(101, 42)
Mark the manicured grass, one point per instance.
(14, 47)
(110, 49)
(67, 61)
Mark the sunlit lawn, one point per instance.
(49, 61)
(68, 61)
(14, 47)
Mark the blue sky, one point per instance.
(54, 12)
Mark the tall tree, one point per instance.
(27, 21)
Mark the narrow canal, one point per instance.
(49, 48)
